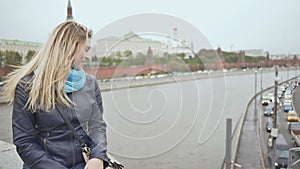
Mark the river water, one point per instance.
(174, 125)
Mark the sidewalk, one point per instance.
(248, 154)
(9, 158)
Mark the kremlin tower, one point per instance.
(69, 11)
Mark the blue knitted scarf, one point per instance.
(75, 81)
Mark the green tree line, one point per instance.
(14, 58)
(231, 57)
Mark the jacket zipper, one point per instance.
(45, 141)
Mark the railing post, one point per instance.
(228, 143)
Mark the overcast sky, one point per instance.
(271, 25)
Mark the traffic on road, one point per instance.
(282, 129)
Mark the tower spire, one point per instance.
(69, 11)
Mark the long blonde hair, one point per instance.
(52, 65)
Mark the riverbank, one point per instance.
(132, 82)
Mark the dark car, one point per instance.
(287, 107)
(268, 111)
(293, 126)
(281, 153)
(269, 125)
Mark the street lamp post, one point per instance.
(288, 72)
(255, 106)
(261, 87)
(274, 131)
(296, 74)
(275, 101)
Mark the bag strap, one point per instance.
(112, 163)
(70, 126)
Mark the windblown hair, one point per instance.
(52, 65)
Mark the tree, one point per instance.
(30, 55)
(181, 55)
(119, 55)
(177, 66)
(140, 59)
(1, 57)
(127, 53)
(12, 58)
(106, 61)
(295, 57)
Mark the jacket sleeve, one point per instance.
(25, 136)
(97, 129)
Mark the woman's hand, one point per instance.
(94, 163)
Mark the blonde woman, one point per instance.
(55, 77)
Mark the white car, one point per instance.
(265, 100)
(287, 96)
(271, 97)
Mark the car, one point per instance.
(265, 100)
(271, 97)
(268, 111)
(281, 153)
(282, 88)
(269, 125)
(287, 101)
(293, 85)
(293, 126)
(298, 80)
(288, 96)
(287, 107)
(279, 93)
(292, 116)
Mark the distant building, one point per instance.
(255, 52)
(182, 48)
(131, 41)
(284, 56)
(21, 47)
(252, 52)
(135, 43)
